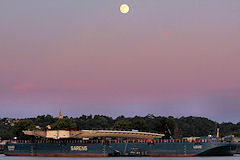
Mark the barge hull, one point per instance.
(184, 149)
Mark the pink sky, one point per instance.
(164, 58)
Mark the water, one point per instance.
(236, 157)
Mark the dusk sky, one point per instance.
(165, 57)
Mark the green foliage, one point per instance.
(229, 128)
(102, 122)
(138, 123)
(63, 124)
(96, 122)
(5, 129)
(21, 126)
(123, 125)
(196, 126)
(43, 120)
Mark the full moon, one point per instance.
(124, 8)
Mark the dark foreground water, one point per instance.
(236, 157)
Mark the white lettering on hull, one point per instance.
(79, 148)
(197, 147)
(11, 148)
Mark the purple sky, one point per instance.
(165, 57)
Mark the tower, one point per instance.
(60, 114)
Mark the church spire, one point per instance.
(60, 114)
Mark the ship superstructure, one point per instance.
(60, 134)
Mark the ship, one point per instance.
(107, 143)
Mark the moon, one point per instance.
(124, 8)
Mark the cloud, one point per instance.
(23, 87)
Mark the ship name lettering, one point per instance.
(197, 147)
(11, 148)
(79, 148)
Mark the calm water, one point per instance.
(236, 157)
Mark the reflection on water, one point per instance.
(235, 157)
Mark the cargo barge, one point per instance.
(99, 143)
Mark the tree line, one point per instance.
(170, 126)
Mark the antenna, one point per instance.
(169, 131)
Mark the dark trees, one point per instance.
(21, 126)
(63, 124)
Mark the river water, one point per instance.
(236, 157)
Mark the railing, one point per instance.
(149, 141)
